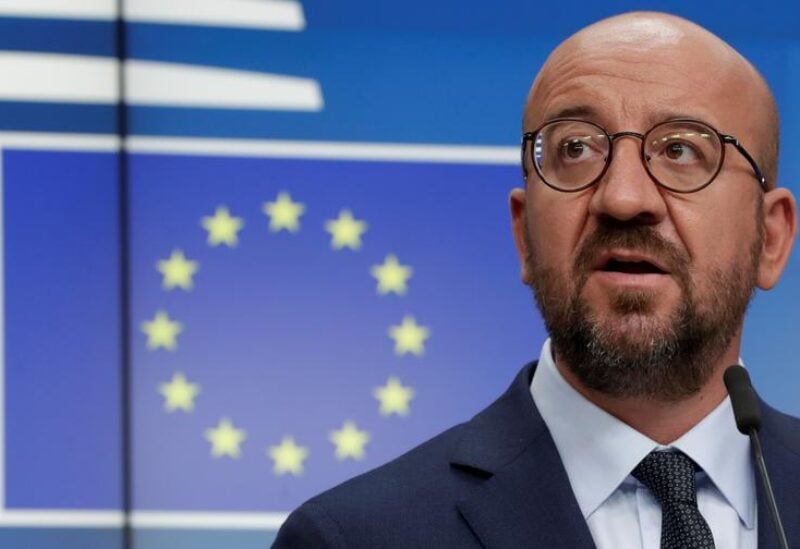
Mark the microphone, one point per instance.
(747, 412)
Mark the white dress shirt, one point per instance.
(599, 452)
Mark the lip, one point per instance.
(630, 280)
(620, 254)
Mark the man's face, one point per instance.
(643, 289)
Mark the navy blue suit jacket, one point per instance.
(497, 481)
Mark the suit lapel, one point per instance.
(529, 503)
(526, 499)
(780, 441)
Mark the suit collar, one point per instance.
(526, 495)
(501, 432)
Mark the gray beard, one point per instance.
(640, 355)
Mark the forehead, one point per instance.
(630, 85)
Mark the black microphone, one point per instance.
(747, 412)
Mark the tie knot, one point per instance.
(669, 476)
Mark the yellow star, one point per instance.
(177, 270)
(349, 441)
(222, 228)
(391, 276)
(162, 332)
(346, 231)
(283, 213)
(394, 397)
(288, 457)
(179, 393)
(225, 439)
(409, 337)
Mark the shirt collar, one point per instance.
(599, 451)
(723, 453)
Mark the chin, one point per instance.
(632, 320)
(632, 303)
(636, 327)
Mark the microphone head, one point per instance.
(744, 400)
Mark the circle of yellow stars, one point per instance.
(346, 232)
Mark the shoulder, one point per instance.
(781, 428)
(411, 493)
(415, 474)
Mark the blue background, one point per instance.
(284, 334)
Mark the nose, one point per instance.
(626, 192)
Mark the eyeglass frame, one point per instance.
(724, 139)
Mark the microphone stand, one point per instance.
(747, 412)
(773, 505)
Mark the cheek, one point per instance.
(719, 238)
(556, 225)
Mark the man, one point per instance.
(650, 213)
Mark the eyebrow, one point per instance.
(591, 113)
(575, 111)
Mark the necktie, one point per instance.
(670, 477)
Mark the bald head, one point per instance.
(666, 61)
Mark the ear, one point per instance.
(780, 228)
(517, 205)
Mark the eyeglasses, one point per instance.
(683, 156)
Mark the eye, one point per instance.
(683, 147)
(681, 152)
(576, 149)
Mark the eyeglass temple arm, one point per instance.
(525, 138)
(759, 175)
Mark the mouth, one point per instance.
(630, 263)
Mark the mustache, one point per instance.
(631, 235)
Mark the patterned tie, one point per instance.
(670, 477)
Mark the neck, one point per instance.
(664, 421)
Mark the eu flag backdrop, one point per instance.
(288, 334)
